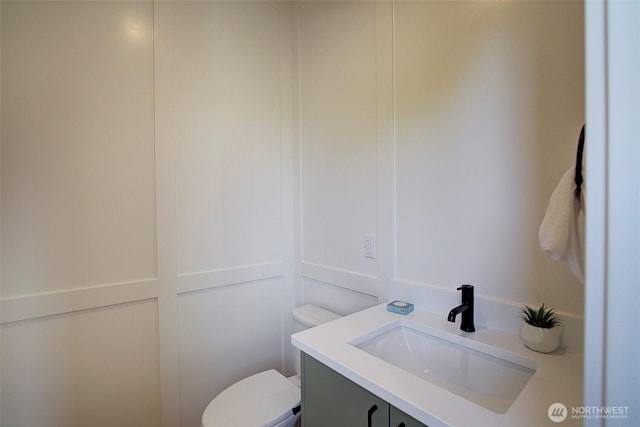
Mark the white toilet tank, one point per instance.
(307, 316)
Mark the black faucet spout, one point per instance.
(455, 311)
(466, 308)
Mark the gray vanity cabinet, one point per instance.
(397, 418)
(330, 399)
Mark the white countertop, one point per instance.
(558, 377)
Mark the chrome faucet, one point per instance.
(466, 308)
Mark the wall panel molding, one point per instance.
(336, 132)
(59, 302)
(351, 280)
(343, 143)
(228, 276)
(223, 142)
(51, 303)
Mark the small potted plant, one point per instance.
(540, 330)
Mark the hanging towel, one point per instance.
(562, 230)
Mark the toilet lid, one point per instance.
(261, 400)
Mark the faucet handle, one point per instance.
(467, 293)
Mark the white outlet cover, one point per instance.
(370, 246)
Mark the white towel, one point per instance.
(562, 230)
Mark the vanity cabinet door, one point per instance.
(397, 418)
(330, 399)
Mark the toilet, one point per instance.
(266, 399)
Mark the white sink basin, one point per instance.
(485, 375)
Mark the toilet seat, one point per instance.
(261, 400)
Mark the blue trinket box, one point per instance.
(400, 307)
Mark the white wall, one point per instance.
(79, 323)
(486, 108)
(230, 94)
(95, 367)
(146, 207)
(77, 165)
(151, 188)
(489, 104)
(343, 136)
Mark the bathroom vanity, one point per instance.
(330, 399)
(384, 369)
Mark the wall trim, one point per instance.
(228, 276)
(33, 306)
(359, 282)
(25, 307)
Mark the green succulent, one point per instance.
(543, 317)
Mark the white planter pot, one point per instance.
(543, 340)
